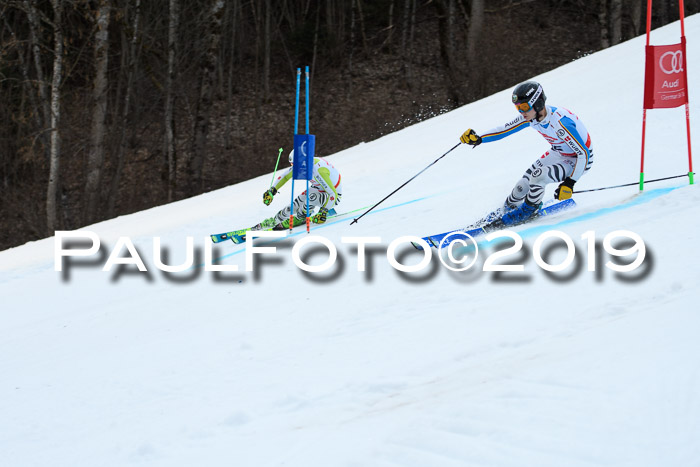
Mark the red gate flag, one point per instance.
(665, 79)
(666, 84)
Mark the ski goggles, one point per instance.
(528, 105)
(523, 107)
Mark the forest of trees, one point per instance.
(112, 106)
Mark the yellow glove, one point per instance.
(471, 138)
(269, 195)
(320, 218)
(565, 190)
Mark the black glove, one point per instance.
(269, 195)
(471, 138)
(565, 189)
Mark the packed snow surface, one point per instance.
(344, 367)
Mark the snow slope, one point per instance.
(376, 367)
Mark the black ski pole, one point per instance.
(407, 182)
(631, 184)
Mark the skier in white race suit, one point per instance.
(569, 157)
(325, 191)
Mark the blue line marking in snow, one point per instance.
(641, 198)
(275, 240)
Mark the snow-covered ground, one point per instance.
(376, 367)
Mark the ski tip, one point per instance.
(219, 238)
(238, 239)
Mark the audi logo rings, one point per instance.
(674, 65)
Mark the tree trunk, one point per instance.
(229, 85)
(318, 22)
(365, 48)
(29, 91)
(55, 151)
(171, 156)
(99, 112)
(351, 51)
(476, 24)
(603, 22)
(390, 28)
(409, 25)
(615, 22)
(131, 71)
(448, 51)
(207, 72)
(637, 18)
(266, 55)
(32, 14)
(664, 15)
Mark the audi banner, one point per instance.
(665, 80)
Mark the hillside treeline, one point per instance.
(113, 106)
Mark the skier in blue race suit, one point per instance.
(569, 157)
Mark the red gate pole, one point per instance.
(644, 112)
(687, 102)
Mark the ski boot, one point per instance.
(521, 214)
(285, 223)
(267, 224)
(493, 218)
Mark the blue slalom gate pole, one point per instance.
(307, 100)
(308, 219)
(296, 131)
(296, 107)
(304, 147)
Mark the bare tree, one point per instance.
(391, 26)
(33, 16)
(636, 16)
(476, 23)
(664, 13)
(603, 22)
(207, 70)
(316, 29)
(449, 51)
(409, 26)
(99, 113)
(131, 72)
(351, 50)
(55, 152)
(27, 85)
(615, 21)
(365, 48)
(171, 156)
(266, 55)
(231, 70)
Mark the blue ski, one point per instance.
(435, 240)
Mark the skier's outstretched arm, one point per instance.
(508, 129)
(471, 138)
(272, 191)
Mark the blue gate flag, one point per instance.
(304, 147)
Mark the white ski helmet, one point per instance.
(291, 157)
